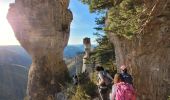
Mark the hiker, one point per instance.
(127, 78)
(75, 80)
(122, 90)
(117, 79)
(104, 80)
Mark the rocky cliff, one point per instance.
(42, 27)
(147, 55)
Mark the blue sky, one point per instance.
(81, 26)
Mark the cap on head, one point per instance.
(123, 67)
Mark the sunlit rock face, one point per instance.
(42, 28)
(147, 55)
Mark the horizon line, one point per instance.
(20, 45)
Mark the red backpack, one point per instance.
(125, 91)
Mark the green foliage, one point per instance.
(168, 98)
(104, 53)
(123, 16)
(94, 77)
(98, 5)
(123, 19)
(85, 90)
(69, 90)
(80, 94)
(100, 22)
(26, 98)
(87, 84)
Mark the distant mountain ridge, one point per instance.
(72, 50)
(14, 55)
(7, 53)
(14, 64)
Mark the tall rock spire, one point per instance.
(42, 28)
(87, 48)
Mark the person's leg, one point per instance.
(100, 93)
(103, 94)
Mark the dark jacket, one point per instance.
(127, 78)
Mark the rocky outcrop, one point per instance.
(147, 55)
(87, 49)
(42, 28)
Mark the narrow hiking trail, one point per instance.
(144, 46)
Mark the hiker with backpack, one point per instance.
(75, 80)
(127, 78)
(104, 81)
(122, 90)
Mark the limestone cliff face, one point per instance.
(42, 27)
(147, 55)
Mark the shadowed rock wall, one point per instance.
(42, 28)
(147, 55)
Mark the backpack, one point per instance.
(107, 78)
(125, 91)
(127, 78)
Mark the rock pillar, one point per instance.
(42, 28)
(87, 48)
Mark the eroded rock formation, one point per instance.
(147, 55)
(87, 49)
(42, 28)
